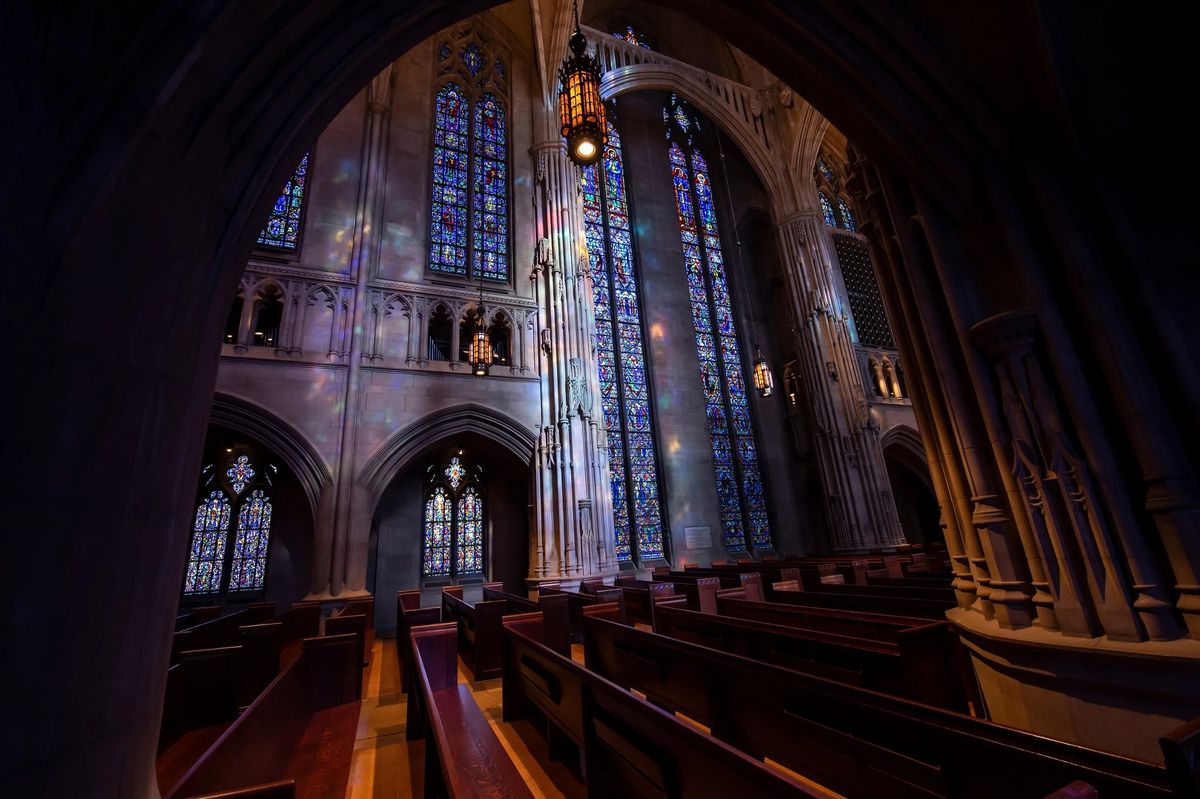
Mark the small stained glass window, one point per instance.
(827, 209)
(453, 521)
(847, 215)
(240, 473)
(826, 172)
(283, 225)
(471, 57)
(443, 52)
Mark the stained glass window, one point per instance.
(232, 529)
(632, 36)
(731, 430)
(206, 560)
(826, 172)
(453, 521)
(469, 213)
(827, 210)
(240, 473)
(448, 212)
(468, 533)
(283, 225)
(847, 215)
(249, 565)
(489, 218)
(621, 359)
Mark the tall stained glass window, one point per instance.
(469, 212)
(231, 533)
(827, 210)
(283, 225)
(846, 215)
(452, 524)
(621, 358)
(731, 429)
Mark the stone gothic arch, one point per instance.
(413, 440)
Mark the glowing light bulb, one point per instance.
(586, 149)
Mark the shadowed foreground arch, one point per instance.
(151, 144)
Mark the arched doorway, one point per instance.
(423, 532)
(912, 492)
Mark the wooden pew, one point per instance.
(626, 746)
(302, 620)
(479, 631)
(281, 789)
(864, 603)
(200, 702)
(554, 608)
(640, 595)
(410, 614)
(577, 601)
(1181, 753)
(463, 756)
(355, 618)
(918, 664)
(855, 741)
(220, 631)
(301, 728)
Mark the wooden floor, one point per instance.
(385, 765)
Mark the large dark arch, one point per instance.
(244, 416)
(151, 139)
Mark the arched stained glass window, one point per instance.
(847, 215)
(489, 220)
(249, 566)
(469, 214)
(206, 560)
(621, 359)
(439, 523)
(826, 172)
(453, 522)
(283, 225)
(468, 533)
(827, 210)
(735, 455)
(231, 534)
(448, 212)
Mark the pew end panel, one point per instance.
(1181, 753)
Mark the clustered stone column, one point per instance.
(1038, 524)
(343, 516)
(573, 530)
(861, 511)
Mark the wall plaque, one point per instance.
(698, 537)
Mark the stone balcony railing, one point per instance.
(883, 377)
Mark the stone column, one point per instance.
(350, 533)
(859, 502)
(574, 534)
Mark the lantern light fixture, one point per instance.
(580, 108)
(762, 373)
(479, 352)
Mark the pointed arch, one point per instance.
(414, 439)
(288, 443)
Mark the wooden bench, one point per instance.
(463, 756)
(863, 603)
(479, 631)
(855, 741)
(918, 663)
(300, 728)
(356, 617)
(410, 614)
(577, 601)
(626, 746)
(640, 596)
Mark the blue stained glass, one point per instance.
(247, 570)
(448, 216)
(742, 504)
(847, 215)
(620, 355)
(468, 533)
(633, 37)
(283, 225)
(471, 57)
(826, 172)
(827, 210)
(206, 560)
(489, 224)
(438, 533)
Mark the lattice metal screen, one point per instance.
(865, 302)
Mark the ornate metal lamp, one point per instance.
(579, 105)
(479, 352)
(762, 373)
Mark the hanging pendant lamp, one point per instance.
(762, 373)
(479, 352)
(579, 105)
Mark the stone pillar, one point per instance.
(574, 515)
(858, 496)
(350, 533)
